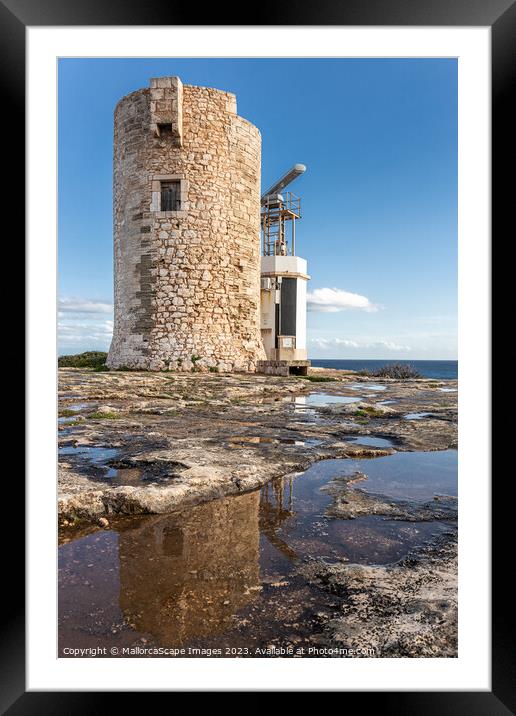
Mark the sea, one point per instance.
(440, 369)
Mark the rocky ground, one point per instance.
(407, 609)
(139, 442)
(135, 444)
(350, 502)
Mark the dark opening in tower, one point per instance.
(171, 195)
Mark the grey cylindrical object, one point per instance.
(285, 180)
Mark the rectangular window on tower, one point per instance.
(171, 195)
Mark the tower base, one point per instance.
(283, 367)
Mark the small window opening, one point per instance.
(164, 129)
(170, 195)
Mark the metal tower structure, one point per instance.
(283, 280)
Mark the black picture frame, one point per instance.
(500, 15)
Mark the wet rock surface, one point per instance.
(350, 502)
(202, 436)
(251, 516)
(406, 609)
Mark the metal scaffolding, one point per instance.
(278, 213)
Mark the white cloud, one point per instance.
(391, 346)
(104, 328)
(333, 342)
(329, 343)
(333, 300)
(84, 324)
(82, 305)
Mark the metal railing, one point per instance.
(276, 211)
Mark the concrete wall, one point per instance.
(288, 267)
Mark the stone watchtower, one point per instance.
(186, 231)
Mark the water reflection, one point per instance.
(92, 453)
(367, 386)
(371, 441)
(198, 575)
(277, 508)
(185, 576)
(237, 441)
(323, 399)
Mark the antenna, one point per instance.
(285, 180)
(277, 210)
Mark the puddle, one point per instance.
(370, 441)
(138, 476)
(367, 386)
(304, 411)
(412, 475)
(323, 399)
(125, 476)
(300, 403)
(98, 460)
(448, 390)
(79, 406)
(416, 416)
(250, 440)
(93, 454)
(305, 406)
(386, 402)
(221, 574)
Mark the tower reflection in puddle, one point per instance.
(184, 576)
(276, 508)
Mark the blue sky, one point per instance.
(379, 226)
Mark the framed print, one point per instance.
(258, 263)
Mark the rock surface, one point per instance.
(170, 440)
(407, 609)
(350, 502)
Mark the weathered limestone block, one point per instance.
(166, 106)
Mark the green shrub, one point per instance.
(67, 413)
(89, 359)
(373, 411)
(104, 416)
(399, 371)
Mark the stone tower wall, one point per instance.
(187, 282)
